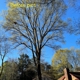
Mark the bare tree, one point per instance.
(36, 27)
(4, 47)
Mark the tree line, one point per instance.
(23, 68)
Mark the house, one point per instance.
(70, 75)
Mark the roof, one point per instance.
(70, 75)
(76, 74)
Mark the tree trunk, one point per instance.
(39, 70)
(39, 65)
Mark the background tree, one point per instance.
(74, 58)
(36, 27)
(25, 68)
(4, 49)
(60, 61)
(10, 70)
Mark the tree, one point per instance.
(24, 62)
(36, 27)
(10, 70)
(60, 61)
(25, 68)
(65, 59)
(4, 49)
(74, 58)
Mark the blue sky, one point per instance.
(47, 52)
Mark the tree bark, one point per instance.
(39, 70)
(39, 67)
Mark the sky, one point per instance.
(48, 52)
